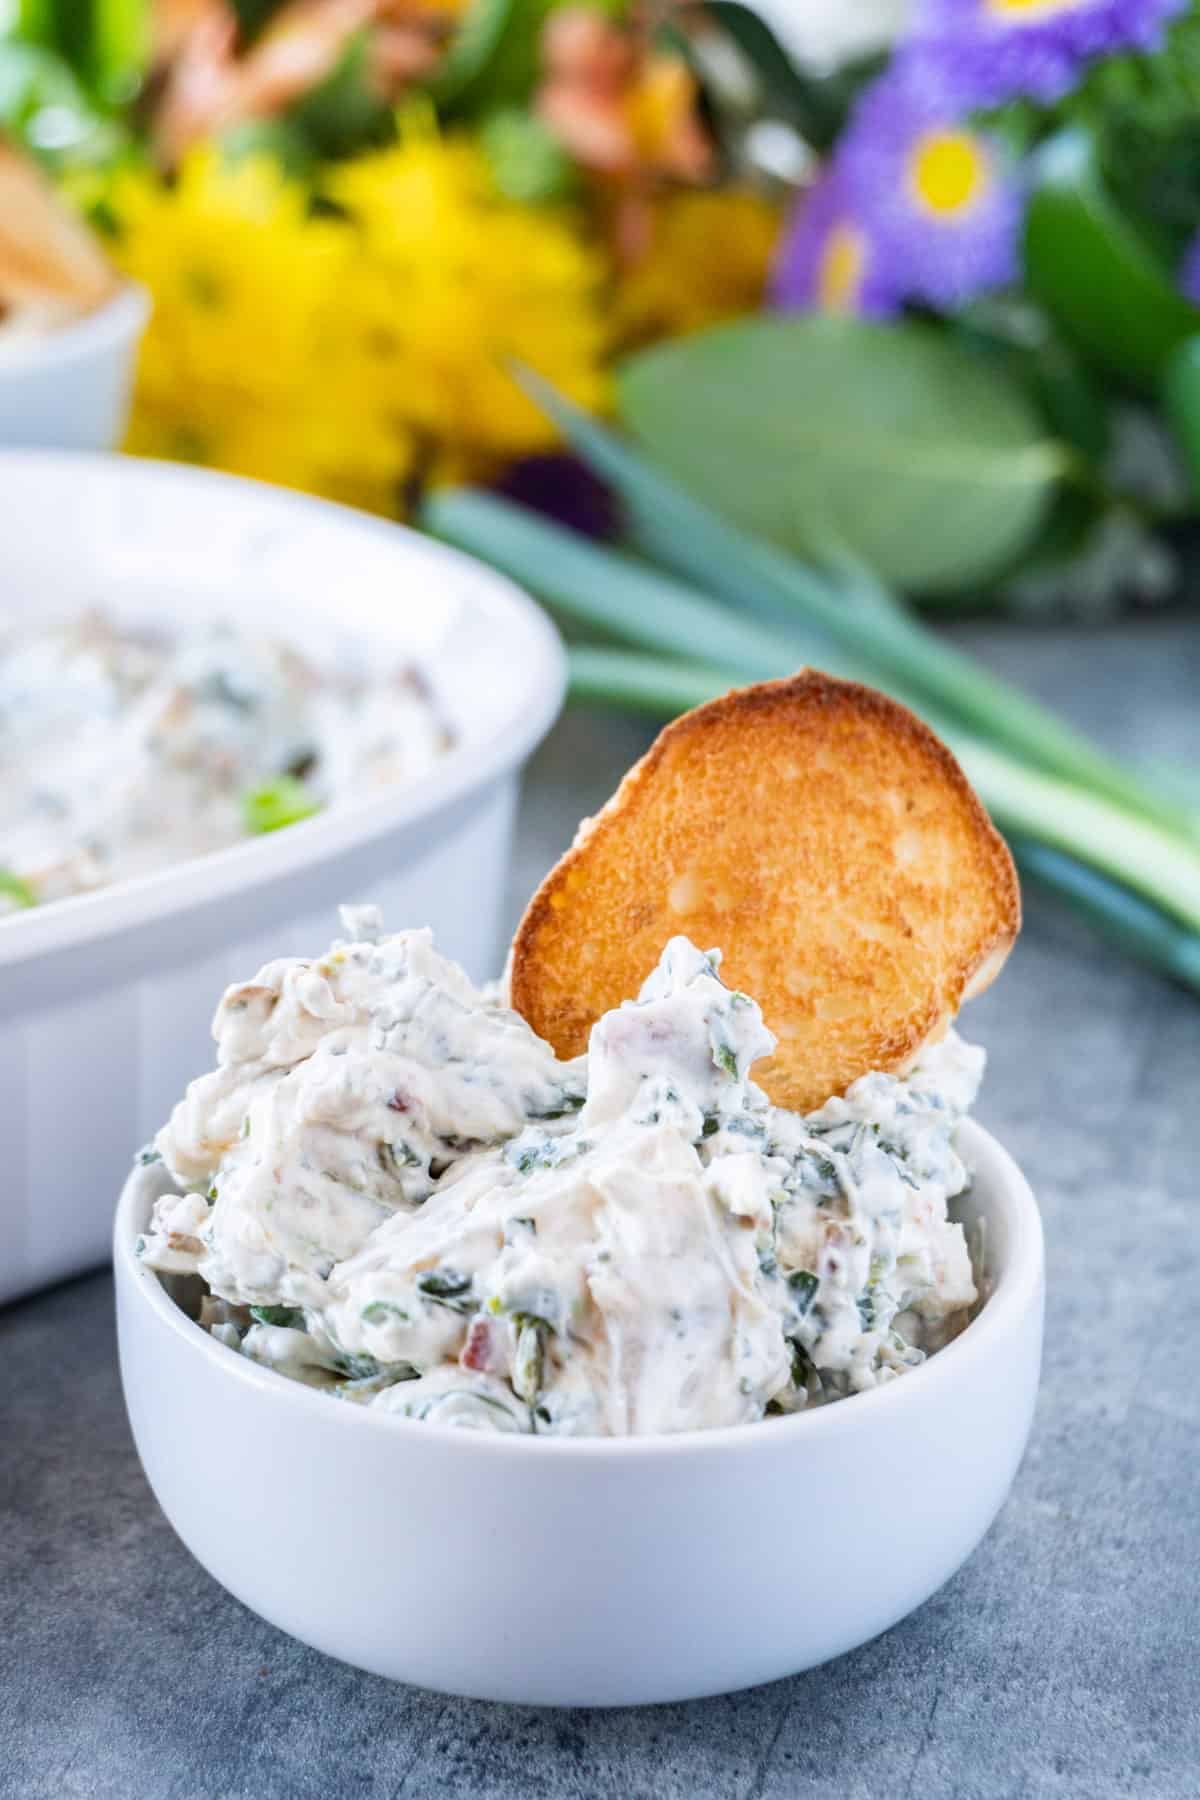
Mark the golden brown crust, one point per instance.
(821, 836)
(46, 253)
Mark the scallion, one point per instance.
(284, 801)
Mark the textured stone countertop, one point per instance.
(1064, 1659)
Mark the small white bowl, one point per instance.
(106, 999)
(588, 1572)
(68, 389)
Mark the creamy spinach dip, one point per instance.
(123, 751)
(394, 1191)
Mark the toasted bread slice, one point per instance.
(46, 254)
(824, 839)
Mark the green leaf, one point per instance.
(922, 459)
(784, 89)
(495, 56)
(253, 16)
(817, 105)
(122, 35)
(343, 112)
(527, 161)
(1181, 397)
(276, 138)
(275, 804)
(35, 82)
(1087, 265)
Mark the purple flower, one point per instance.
(563, 489)
(935, 196)
(827, 261)
(1189, 273)
(988, 51)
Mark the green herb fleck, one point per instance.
(804, 1285)
(380, 1311)
(726, 1058)
(802, 1366)
(147, 1155)
(443, 1284)
(402, 1154)
(275, 804)
(569, 1103)
(289, 1316)
(15, 889)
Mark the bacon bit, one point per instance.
(185, 1243)
(481, 1351)
(399, 1103)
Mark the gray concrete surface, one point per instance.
(1062, 1661)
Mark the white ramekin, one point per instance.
(106, 1001)
(588, 1572)
(68, 389)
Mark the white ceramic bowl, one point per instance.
(106, 1000)
(69, 388)
(588, 1572)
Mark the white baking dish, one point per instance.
(69, 388)
(106, 1000)
(589, 1571)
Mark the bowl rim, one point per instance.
(122, 317)
(1015, 1292)
(536, 668)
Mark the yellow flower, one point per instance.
(708, 260)
(453, 284)
(243, 366)
(346, 354)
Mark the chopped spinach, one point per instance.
(395, 1157)
(543, 1153)
(569, 1103)
(289, 1316)
(378, 1312)
(443, 1284)
(804, 1285)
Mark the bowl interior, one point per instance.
(155, 543)
(163, 543)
